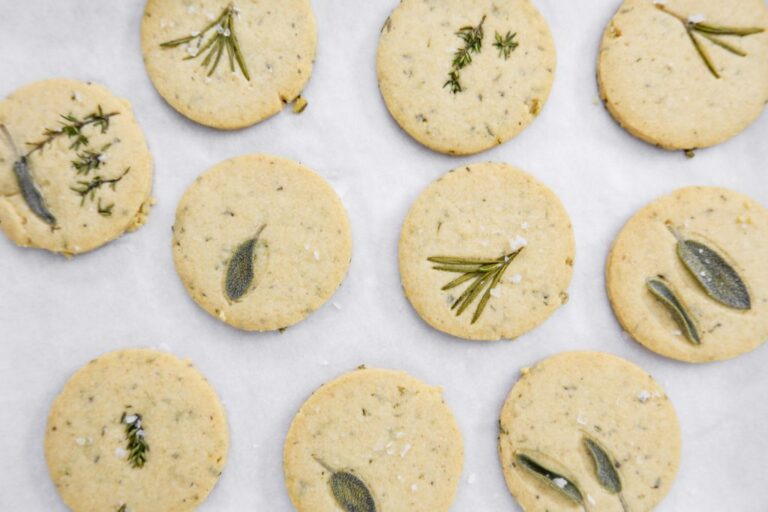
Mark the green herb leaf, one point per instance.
(506, 44)
(481, 271)
(123, 508)
(349, 491)
(605, 469)
(137, 444)
(714, 274)
(86, 189)
(72, 127)
(664, 293)
(556, 481)
(473, 43)
(239, 277)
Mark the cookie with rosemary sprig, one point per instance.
(260, 242)
(486, 252)
(75, 170)
(229, 64)
(136, 430)
(588, 432)
(373, 440)
(688, 275)
(461, 77)
(685, 74)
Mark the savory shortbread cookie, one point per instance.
(486, 252)
(373, 440)
(136, 431)
(588, 431)
(228, 64)
(75, 170)
(260, 242)
(688, 275)
(461, 77)
(685, 74)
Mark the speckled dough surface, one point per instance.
(300, 257)
(183, 424)
(486, 211)
(277, 42)
(389, 429)
(730, 223)
(570, 397)
(80, 223)
(658, 87)
(499, 96)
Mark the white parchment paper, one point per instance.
(55, 315)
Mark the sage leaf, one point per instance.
(30, 192)
(351, 493)
(667, 296)
(714, 274)
(239, 277)
(605, 468)
(558, 482)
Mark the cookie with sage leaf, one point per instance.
(688, 275)
(229, 64)
(75, 169)
(486, 252)
(461, 77)
(260, 242)
(373, 440)
(133, 430)
(685, 74)
(588, 432)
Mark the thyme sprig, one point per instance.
(484, 274)
(473, 43)
(72, 127)
(87, 188)
(712, 33)
(222, 38)
(137, 444)
(506, 44)
(89, 160)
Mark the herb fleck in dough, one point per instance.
(388, 432)
(276, 42)
(302, 249)
(736, 227)
(86, 173)
(655, 84)
(138, 429)
(453, 95)
(576, 410)
(487, 211)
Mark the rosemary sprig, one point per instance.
(473, 43)
(72, 127)
(484, 274)
(711, 33)
(222, 37)
(506, 44)
(89, 160)
(87, 188)
(137, 444)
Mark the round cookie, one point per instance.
(260, 242)
(136, 431)
(461, 77)
(383, 430)
(576, 399)
(731, 224)
(75, 170)
(658, 86)
(516, 240)
(228, 64)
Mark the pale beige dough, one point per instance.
(392, 431)
(657, 86)
(481, 211)
(564, 399)
(302, 253)
(277, 42)
(500, 97)
(184, 424)
(27, 114)
(732, 224)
